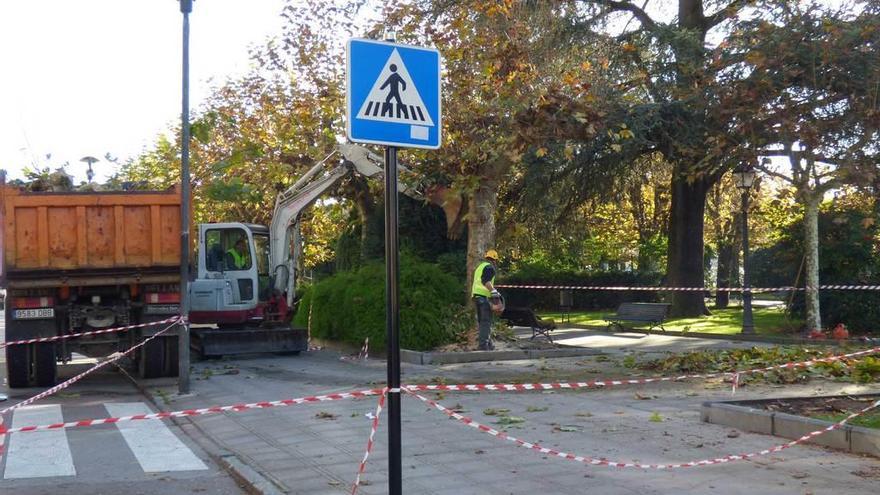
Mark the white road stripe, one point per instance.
(155, 446)
(38, 454)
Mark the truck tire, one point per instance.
(45, 365)
(151, 361)
(18, 366)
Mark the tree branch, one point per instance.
(773, 173)
(637, 12)
(726, 13)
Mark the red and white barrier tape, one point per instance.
(71, 381)
(374, 427)
(621, 464)
(474, 387)
(200, 412)
(688, 289)
(363, 354)
(84, 334)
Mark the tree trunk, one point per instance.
(481, 225)
(811, 245)
(685, 254)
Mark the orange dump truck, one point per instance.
(82, 261)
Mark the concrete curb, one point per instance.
(253, 481)
(248, 478)
(425, 358)
(740, 415)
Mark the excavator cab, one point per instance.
(231, 270)
(234, 290)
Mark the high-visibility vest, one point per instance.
(238, 260)
(478, 289)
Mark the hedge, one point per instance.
(549, 299)
(350, 306)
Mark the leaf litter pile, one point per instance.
(859, 370)
(826, 408)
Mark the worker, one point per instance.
(237, 255)
(483, 291)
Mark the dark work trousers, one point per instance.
(484, 318)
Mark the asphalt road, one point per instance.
(146, 458)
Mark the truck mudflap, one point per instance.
(215, 342)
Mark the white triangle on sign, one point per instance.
(394, 97)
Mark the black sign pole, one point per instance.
(392, 319)
(183, 334)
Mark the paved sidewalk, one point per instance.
(625, 342)
(316, 448)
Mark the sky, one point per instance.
(88, 77)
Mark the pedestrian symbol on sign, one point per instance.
(392, 94)
(395, 98)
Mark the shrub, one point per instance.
(350, 306)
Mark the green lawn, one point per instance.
(868, 420)
(768, 321)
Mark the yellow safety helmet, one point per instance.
(492, 254)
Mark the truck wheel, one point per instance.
(152, 359)
(172, 356)
(17, 366)
(45, 365)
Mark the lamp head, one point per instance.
(744, 176)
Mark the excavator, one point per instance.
(242, 298)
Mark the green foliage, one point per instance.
(454, 263)
(866, 370)
(421, 230)
(350, 306)
(848, 254)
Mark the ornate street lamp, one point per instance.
(744, 177)
(90, 174)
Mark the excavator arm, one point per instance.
(290, 204)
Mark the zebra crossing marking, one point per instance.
(39, 454)
(47, 453)
(155, 446)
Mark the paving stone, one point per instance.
(865, 441)
(790, 426)
(739, 417)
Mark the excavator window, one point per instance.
(227, 250)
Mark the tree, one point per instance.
(815, 73)
(663, 96)
(486, 91)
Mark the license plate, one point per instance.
(30, 314)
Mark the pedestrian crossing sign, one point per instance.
(392, 94)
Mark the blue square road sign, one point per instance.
(392, 94)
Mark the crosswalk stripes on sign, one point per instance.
(153, 447)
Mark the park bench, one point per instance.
(525, 317)
(650, 313)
